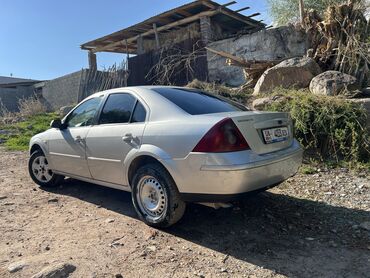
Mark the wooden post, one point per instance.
(156, 36)
(92, 60)
(140, 45)
(301, 11)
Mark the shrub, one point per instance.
(30, 107)
(331, 127)
(236, 94)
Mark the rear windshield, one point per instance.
(196, 102)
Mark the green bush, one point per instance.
(332, 127)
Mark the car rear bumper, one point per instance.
(211, 180)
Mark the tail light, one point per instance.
(223, 137)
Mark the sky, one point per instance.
(40, 39)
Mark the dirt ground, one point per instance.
(310, 226)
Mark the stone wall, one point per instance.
(64, 90)
(9, 97)
(272, 44)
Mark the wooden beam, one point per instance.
(156, 36)
(301, 11)
(184, 13)
(242, 9)
(253, 15)
(240, 18)
(210, 5)
(159, 29)
(228, 4)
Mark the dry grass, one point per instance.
(28, 107)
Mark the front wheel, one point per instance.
(41, 174)
(155, 197)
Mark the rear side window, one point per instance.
(139, 113)
(196, 102)
(117, 109)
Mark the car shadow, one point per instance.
(290, 236)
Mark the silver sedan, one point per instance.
(168, 146)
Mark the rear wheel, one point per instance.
(155, 196)
(40, 172)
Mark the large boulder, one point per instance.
(332, 83)
(292, 73)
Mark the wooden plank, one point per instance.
(159, 29)
(226, 55)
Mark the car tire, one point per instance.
(40, 173)
(155, 196)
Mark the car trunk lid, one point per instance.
(265, 132)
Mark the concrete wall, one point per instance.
(272, 44)
(63, 91)
(9, 97)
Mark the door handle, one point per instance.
(128, 138)
(78, 139)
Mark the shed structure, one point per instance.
(183, 30)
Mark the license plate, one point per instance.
(274, 135)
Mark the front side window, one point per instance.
(84, 114)
(117, 109)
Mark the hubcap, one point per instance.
(41, 170)
(151, 197)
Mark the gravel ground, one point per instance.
(311, 226)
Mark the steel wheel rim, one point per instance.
(151, 198)
(41, 170)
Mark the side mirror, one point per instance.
(57, 123)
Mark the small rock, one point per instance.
(53, 200)
(3, 197)
(14, 267)
(118, 275)
(365, 226)
(47, 248)
(223, 270)
(109, 220)
(151, 234)
(56, 271)
(151, 248)
(310, 238)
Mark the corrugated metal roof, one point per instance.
(6, 80)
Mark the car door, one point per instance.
(67, 146)
(119, 130)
